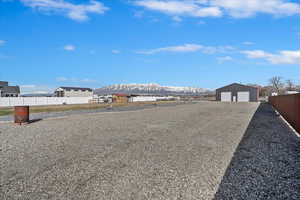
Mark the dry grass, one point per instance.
(60, 108)
(6, 111)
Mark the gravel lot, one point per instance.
(175, 152)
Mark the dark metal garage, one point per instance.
(237, 93)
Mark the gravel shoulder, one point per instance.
(266, 164)
(174, 152)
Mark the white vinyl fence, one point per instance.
(40, 101)
(151, 98)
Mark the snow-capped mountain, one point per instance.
(151, 88)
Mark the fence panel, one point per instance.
(41, 101)
(289, 107)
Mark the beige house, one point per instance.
(73, 92)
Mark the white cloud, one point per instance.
(256, 54)
(75, 80)
(224, 59)
(69, 47)
(61, 79)
(283, 57)
(180, 8)
(189, 48)
(182, 48)
(218, 8)
(2, 42)
(248, 8)
(78, 12)
(138, 14)
(35, 89)
(247, 43)
(87, 80)
(115, 51)
(28, 86)
(177, 19)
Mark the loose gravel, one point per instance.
(175, 152)
(266, 164)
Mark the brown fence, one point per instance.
(289, 107)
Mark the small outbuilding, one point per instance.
(120, 98)
(237, 93)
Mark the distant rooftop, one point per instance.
(10, 89)
(76, 88)
(3, 83)
(237, 84)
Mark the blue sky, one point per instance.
(202, 43)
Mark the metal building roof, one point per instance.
(238, 85)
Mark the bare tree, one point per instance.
(276, 83)
(290, 85)
(265, 91)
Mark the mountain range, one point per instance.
(149, 89)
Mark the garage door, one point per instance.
(226, 96)
(243, 96)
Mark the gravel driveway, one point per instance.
(178, 152)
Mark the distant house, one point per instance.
(237, 93)
(291, 92)
(8, 91)
(73, 92)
